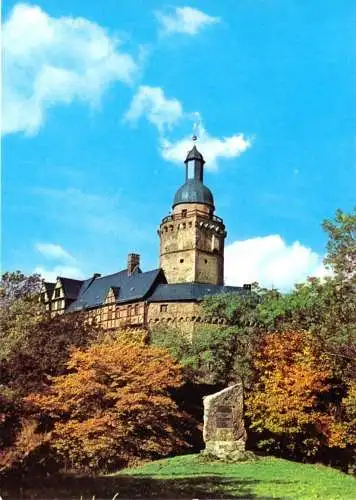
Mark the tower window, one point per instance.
(184, 213)
(163, 308)
(181, 261)
(190, 170)
(206, 261)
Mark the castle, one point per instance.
(191, 267)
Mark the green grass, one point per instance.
(193, 477)
(264, 478)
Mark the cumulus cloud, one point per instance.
(66, 264)
(53, 251)
(49, 61)
(271, 261)
(213, 148)
(65, 271)
(165, 112)
(185, 20)
(151, 102)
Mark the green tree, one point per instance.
(207, 357)
(341, 247)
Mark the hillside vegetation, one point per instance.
(75, 398)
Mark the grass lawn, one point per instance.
(191, 477)
(264, 478)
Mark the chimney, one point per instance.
(133, 262)
(96, 275)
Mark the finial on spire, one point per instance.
(196, 125)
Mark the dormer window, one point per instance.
(57, 293)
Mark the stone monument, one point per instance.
(224, 431)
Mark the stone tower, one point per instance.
(192, 238)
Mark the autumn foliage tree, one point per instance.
(114, 407)
(292, 405)
(33, 346)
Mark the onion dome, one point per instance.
(193, 190)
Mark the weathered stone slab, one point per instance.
(224, 430)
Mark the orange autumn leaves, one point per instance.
(114, 406)
(289, 396)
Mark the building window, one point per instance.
(136, 309)
(184, 213)
(57, 293)
(206, 261)
(190, 170)
(181, 261)
(215, 244)
(163, 308)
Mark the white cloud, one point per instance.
(270, 261)
(165, 112)
(49, 61)
(159, 110)
(67, 265)
(185, 20)
(65, 271)
(212, 148)
(53, 251)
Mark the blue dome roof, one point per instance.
(193, 191)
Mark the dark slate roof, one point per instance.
(194, 154)
(128, 287)
(71, 287)
(193, 191)
(190, 291)
(49, 289)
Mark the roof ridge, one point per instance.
(71, 279)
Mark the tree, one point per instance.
(16, 285)
(245, 325)
(32, 346)
(113, 406)
(341, 247)
(208, 357)
(291, 396)
(19, 310)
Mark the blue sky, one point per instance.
(99, 100)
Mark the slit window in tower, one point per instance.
(215, 244)
(190, 170)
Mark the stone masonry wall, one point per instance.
(192, 245)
